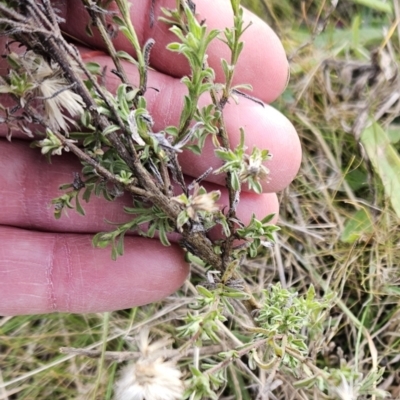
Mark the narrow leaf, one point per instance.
(134, 129)
(377, 5)
(357, 226)
(385, 160)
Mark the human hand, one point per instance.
(48, 265)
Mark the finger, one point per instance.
(46, 272)
(29, 184)
(262, 64)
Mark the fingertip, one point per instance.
(259, 204)
(262, 62)
(265, 128)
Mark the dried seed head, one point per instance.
(199, 201)
(150, 377)
(203, 201)
(253, 167)
(346, 390)
(48, 84)
(144, 380)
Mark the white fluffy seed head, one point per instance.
(50, 85)
(150, 377)
(149, 380)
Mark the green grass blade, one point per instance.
(359, 225)
(385, 160)
(377, 5)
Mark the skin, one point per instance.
(48, 265)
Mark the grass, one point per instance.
(340, 230)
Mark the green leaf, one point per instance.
(87, 193)
(268, 218)
(125, 56)
(174, 47)
(212, 35)
(194, 27)
(186, 110)
(377, 5)
(310, 293)
(13, 62)
(93, 67)
(235, 4)
(128, 34)
(191, 258)
(65, 186)
(224, 223)
(255, 186)
(243, 86)
(394, 133)
(225, 155)
(235, 182)
(357, 226)
(385, 161)
(88, 30)
(204, 292)
(114, 253)
(78, 206)
(120, 245)
(356, 179)
(163, 236)
(118, 20)
(86, 119)
(182, 219)
(178, 32)
(194, 149)
(89, 140)
(235, 294)
(101, 240)
(110, 129)
(229, 307)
